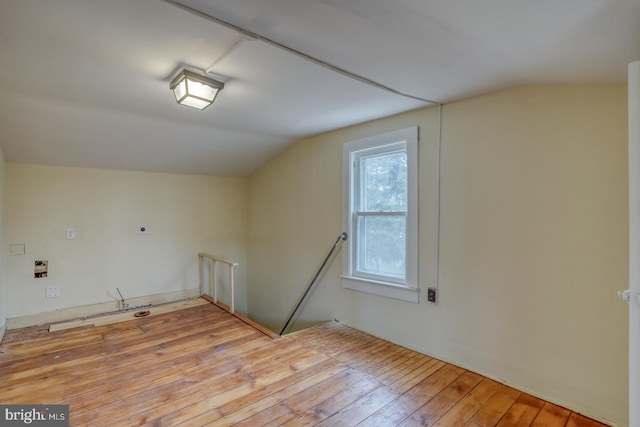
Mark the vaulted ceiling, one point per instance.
(86, 82)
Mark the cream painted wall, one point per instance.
(295, 208)
(534, 241)
(186, 214)
(3, 296)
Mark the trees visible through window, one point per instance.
(381, 213)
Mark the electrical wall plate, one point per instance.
(53, 291)
(432, 295)
(16, 249)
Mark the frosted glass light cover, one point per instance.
(180, 91)
(194, 90)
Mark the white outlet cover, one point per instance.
(17, 249)
(53, 291)
(71, 233)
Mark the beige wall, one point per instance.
(3, 296)
(186, 214)
(533, 241)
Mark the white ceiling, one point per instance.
(85, 82)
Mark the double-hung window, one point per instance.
(380, 213)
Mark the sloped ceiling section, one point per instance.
(85, 82)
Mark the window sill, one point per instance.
(383, 289)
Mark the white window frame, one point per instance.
(407, 289)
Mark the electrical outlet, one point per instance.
(53, 291)
(16, 249)
(71, 233)
(432, 295)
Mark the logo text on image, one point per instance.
(36, 415)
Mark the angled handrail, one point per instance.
(213, 261)
(343, 236)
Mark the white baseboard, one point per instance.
(3, 329)
(580, 410)
(94, 309)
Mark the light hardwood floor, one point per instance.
(201, 366)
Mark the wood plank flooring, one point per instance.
(107, 319)
(201, 366)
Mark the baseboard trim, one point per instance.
(577, 409)
(3, 329)
(95, 309)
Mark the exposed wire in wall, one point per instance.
(250, 35)
(124, 305)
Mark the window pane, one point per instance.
(382, 245)
(384, 181)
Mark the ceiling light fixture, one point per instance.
(250, 35)
(194, 90)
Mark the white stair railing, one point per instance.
(213, 262)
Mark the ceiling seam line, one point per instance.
(236, 42)
(251, 35)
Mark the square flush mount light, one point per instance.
(193, 90)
